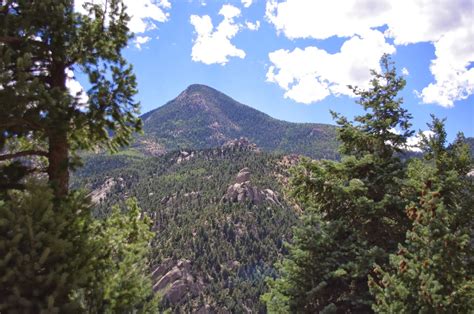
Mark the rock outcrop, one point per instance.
(173, 279)
(243, 191)
(100, 193)
(241, 144)
(184, 156)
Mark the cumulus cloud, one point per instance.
(253, 26)
(413, 143)
(75, 88)
(144, 14)
(213, 45)
(311, 74)
(447, 24)
(454, 80)
(247, 3)
(405, 71)
(324, 19)
(141, 40)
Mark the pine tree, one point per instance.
(120, 281)
(59, 259)
(40, 42)
(354, 212)
(433, 270)
(54, 256)
(43, 251)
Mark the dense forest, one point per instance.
(229, 227)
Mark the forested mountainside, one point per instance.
(202, 117)
(221, 218)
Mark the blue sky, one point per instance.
(295, 59)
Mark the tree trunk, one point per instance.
(58, 169)
(58, 154)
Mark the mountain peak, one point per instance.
(198, 87)
(197, 94)
(203, 117)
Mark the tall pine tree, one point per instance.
(53, 256)
(354, 212)
(40, 42)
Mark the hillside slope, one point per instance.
(202, 117)
(221, 218)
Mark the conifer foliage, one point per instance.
(43, 252)
(432, 272)
(54, 257)
(354, 213)
(60, 259)
(381, 232)
(41, 44)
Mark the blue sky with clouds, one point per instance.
(293, 59)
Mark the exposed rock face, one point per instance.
(184, 156)
(243, 175)
(242, 191)
(290, 160)
(101, 192)
(174, 281)
(240, 144)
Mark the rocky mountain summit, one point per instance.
(243, 191)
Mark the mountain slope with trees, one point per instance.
(221, 217)
(202, 117)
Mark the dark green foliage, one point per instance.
(354, 211)
(119, 281)
(54, 257)
(43, 252)
(433, 269)
(202, 117)
(59, 259)
(40, 41)
(232, 246)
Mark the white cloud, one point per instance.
(253, 26)
(141, 40)
(447, 24)
(324, 19)
(213, 45)
(311, 74)
(75, 88)
(247, 3)
(453, 80)
(405, 72)
(413, 143)
(144, 14)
